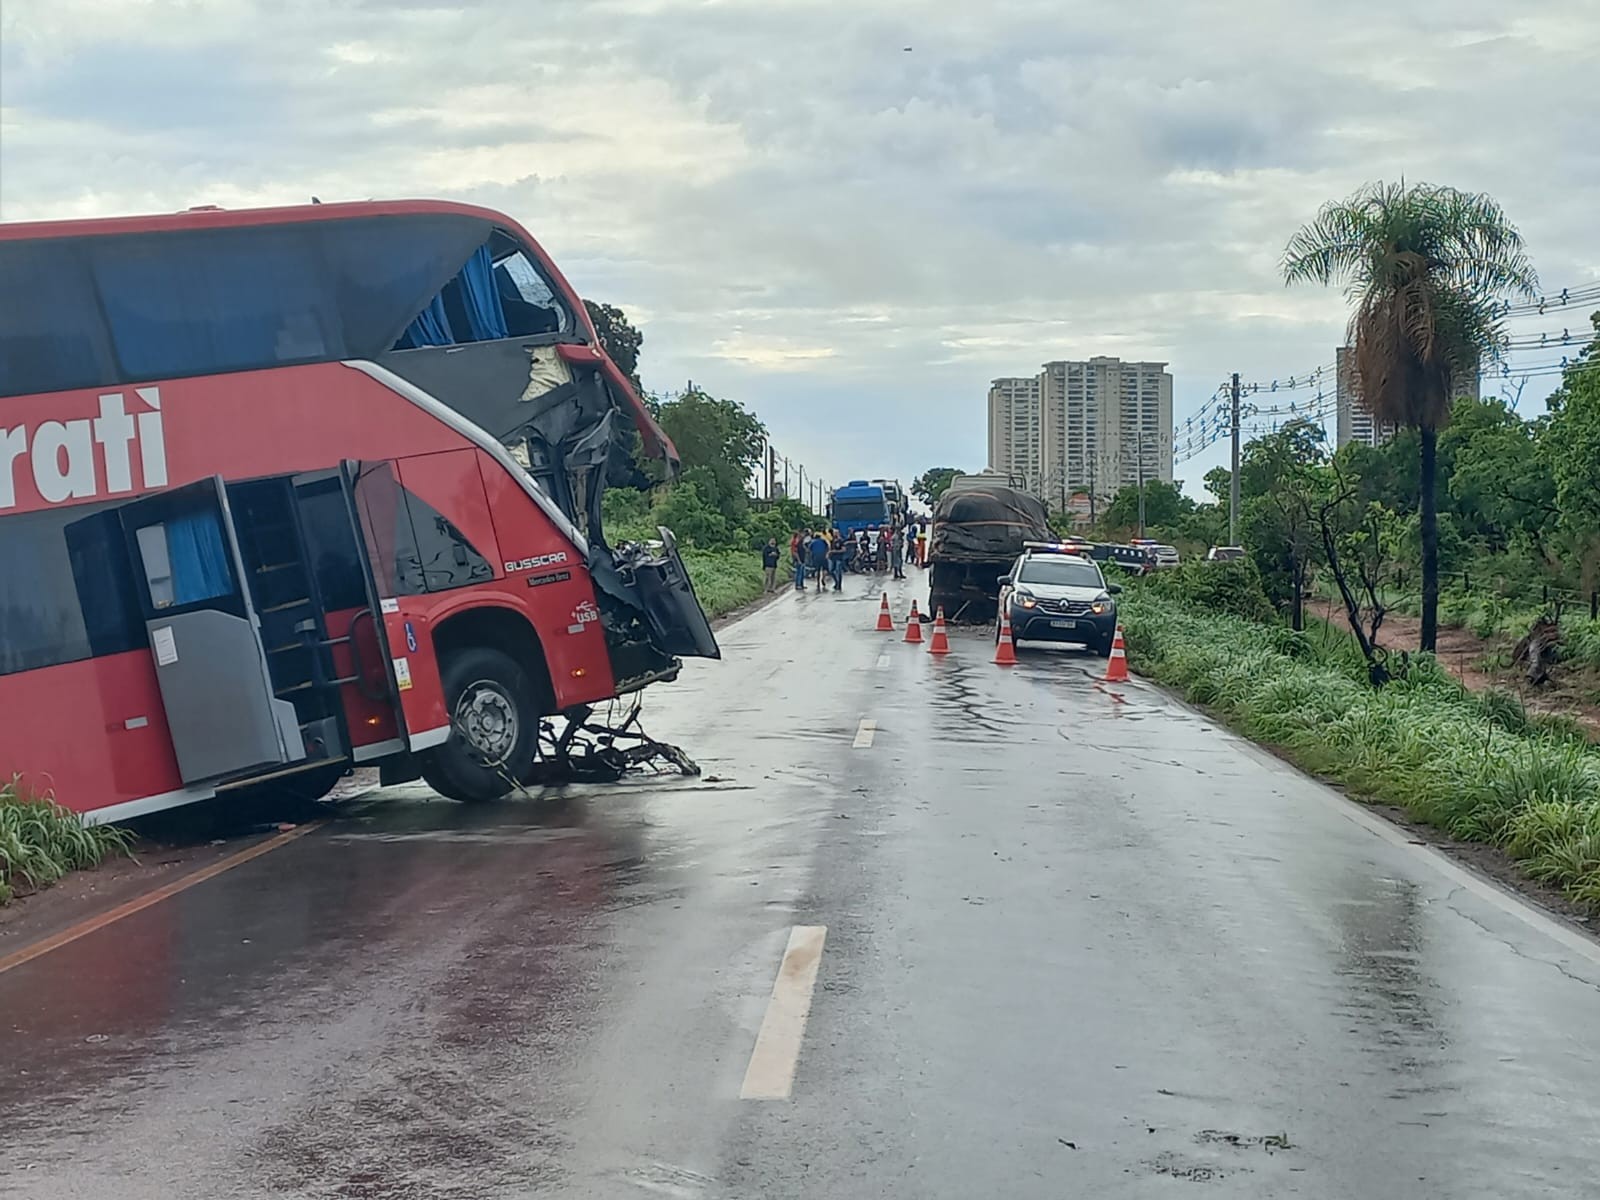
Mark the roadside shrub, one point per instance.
(1581, 643)
(1505, 709)
(40, 841)
(723, 579)
(1226, 587)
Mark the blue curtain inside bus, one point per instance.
(203, 306)
(198, 556)
(481, 297)
(431, 328)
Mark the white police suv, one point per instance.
(1056, 593)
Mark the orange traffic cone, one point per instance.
(940, 643)
(914, 626)
(1117, 664)
(885, 621)
(1005, 651)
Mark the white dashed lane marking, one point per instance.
(770, 1075)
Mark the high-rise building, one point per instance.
(1107, 424)
(1352, 421)
(1087, 427)
(1015, 430)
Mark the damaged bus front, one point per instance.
(507, 343)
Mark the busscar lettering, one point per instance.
(540, 560)
(69, 459)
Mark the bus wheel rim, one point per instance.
(486, 715)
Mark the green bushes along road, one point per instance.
(1476, 766)
(40, 841)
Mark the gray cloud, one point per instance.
(852, 238)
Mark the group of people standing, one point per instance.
(827, 556)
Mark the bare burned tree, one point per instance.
(1355, 550)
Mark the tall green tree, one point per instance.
(1283, 480)
(720, 441)
(1423, 265)
(933, 483)
(618, 338)
(1573, 449)
(1219, 482)
(1164, 505)
(1498, 475)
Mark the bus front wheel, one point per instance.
(494, 727)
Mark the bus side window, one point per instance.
(445, 557)
(331, 545)
(530, 304)
(185, 559)
(66, 588)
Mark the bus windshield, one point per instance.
(860, 510)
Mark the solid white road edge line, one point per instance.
(1512, 905)
(864, 733)
(770, 1075)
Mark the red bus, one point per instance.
(290, 490)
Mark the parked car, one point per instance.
(1224, 553)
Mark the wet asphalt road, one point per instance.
(1079, 942)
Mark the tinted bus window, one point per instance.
(385, 271)
(51, 337)
(223, 301)
(95, 311)
(66, 588)
(445, 559)
(331, 546)
(413, 548)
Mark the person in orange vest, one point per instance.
(922, 544)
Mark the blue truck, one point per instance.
(859, 505)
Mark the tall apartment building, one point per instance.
(1083, 427)
(1107, 424)
(1352, 421)
(1016, 420)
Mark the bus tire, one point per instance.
(494, 727)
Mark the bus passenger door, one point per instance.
(384, 524)
(205, 637)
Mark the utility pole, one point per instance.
(772, 472)
(1093, 481)
(1233, 479)
(1139, 450)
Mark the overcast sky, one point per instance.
(849, 215)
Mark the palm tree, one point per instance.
(1424, 266)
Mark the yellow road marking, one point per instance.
(770, 1075)
(139, 903)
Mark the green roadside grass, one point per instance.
(723, 579)
(40, 841)
(1477, 766)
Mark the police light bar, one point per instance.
(1056, 547)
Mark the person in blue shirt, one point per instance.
(838, 553)
(818, 551)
